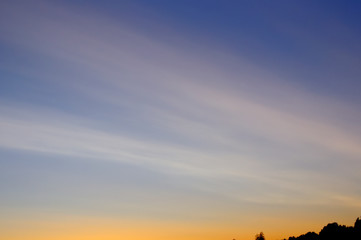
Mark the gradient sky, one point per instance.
(184, 120)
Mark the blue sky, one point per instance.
(238, 115)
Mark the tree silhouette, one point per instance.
(357, 229)
(307, 236)
(332, 231)
(335, 231)
(260, 236)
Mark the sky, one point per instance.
(178, 119)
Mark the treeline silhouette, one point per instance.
(333, 231)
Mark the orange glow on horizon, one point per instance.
(79, 228)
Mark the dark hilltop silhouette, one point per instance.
(331, 231)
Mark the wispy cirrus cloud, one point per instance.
(135, 98)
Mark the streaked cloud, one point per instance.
(104, 89)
